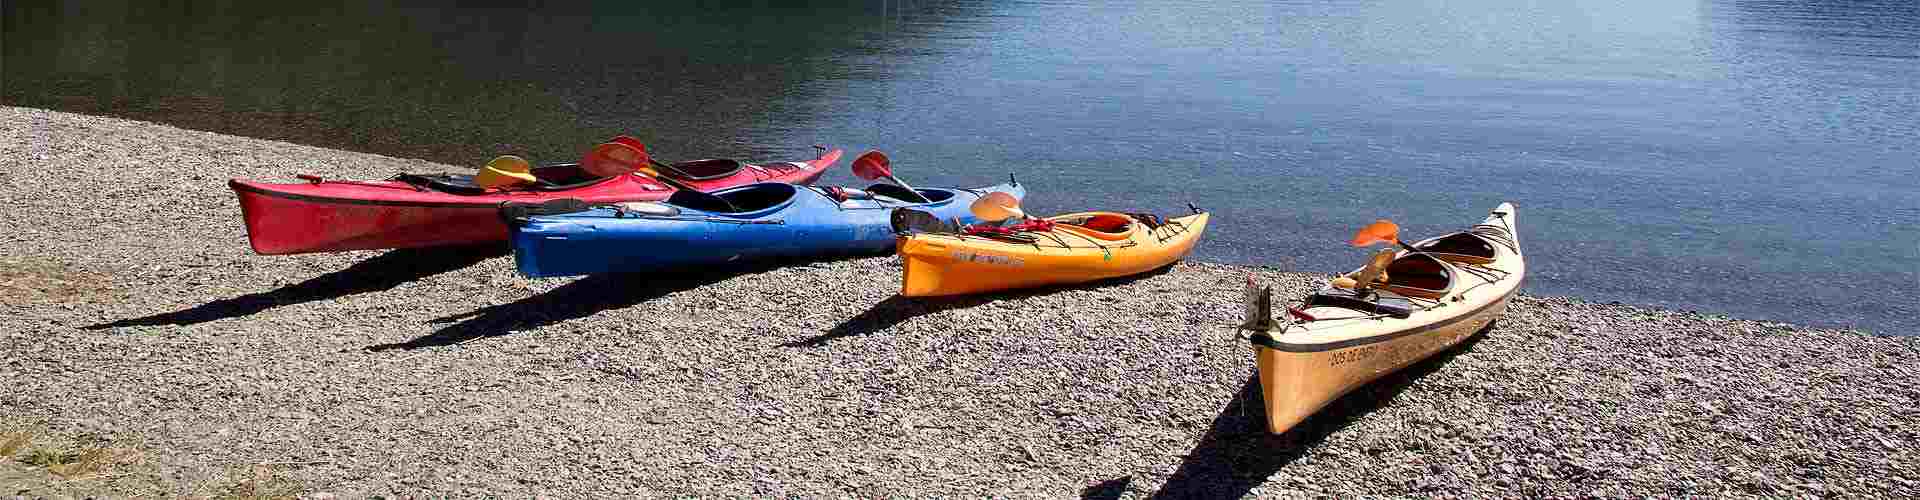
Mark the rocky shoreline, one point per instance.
(140, 323)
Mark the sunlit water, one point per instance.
(1755, 158)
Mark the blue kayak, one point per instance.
(747, 222)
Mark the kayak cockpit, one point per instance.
(740, 200)
(1409, 276)
(548, 178)
(1419, 275)
(1379, 302)
(1466, 248)
(703, 170)
(902, 194)
(1106, 226)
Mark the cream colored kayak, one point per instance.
(1430, 300)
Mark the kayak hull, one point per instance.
(1296, 385)
(808, 224)
(1308, 365)
(280, 223)
(335, 216)
(952, 264)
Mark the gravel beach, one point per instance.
(138, 321)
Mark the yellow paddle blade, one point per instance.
(997, 206)
(1380, 231)
(505, 171)
(510, 163)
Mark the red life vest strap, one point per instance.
(1025, 226)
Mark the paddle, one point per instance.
(505, 170)
(619, 157)
(657, 165)
(1380, 231)
(997, 206)
(874, 165)
(622, 156)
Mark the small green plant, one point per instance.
(48, 457)
(263, 485)
(13, 441)
(87, 462)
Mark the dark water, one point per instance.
(1755, 158)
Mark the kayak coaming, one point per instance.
(1313, 363)
(333, 216)
(809, 224)
(935, 264)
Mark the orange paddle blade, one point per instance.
(997, 206)
(1380, 231)
(872, 165)
(630, 141)
(613, 158)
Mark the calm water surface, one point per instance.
(1754, 158)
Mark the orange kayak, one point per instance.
(1077, 248)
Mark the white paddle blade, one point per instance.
(996, 207)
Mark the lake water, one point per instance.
(1754, 158)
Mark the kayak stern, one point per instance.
(282, 220)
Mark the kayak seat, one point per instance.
(1374, 302)
(1459, 247)
(518, 213)
(1419, 275)
(551, 178)
(1106, 223)
(751, 198)
(701, 170)
(910, 221)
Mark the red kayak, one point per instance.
(428, 210)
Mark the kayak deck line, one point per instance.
(1064, 249)
(1060, 244)
(766, 220)
(1264, 339)
(240, 185)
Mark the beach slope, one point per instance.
(137, 321)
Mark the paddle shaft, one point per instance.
(916, 192)
(663, 178)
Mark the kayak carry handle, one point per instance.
(309, 178)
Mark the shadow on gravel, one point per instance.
(581, 298)
(897, 309)
(1110, 489)
(378, 273)
(1238, 453)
